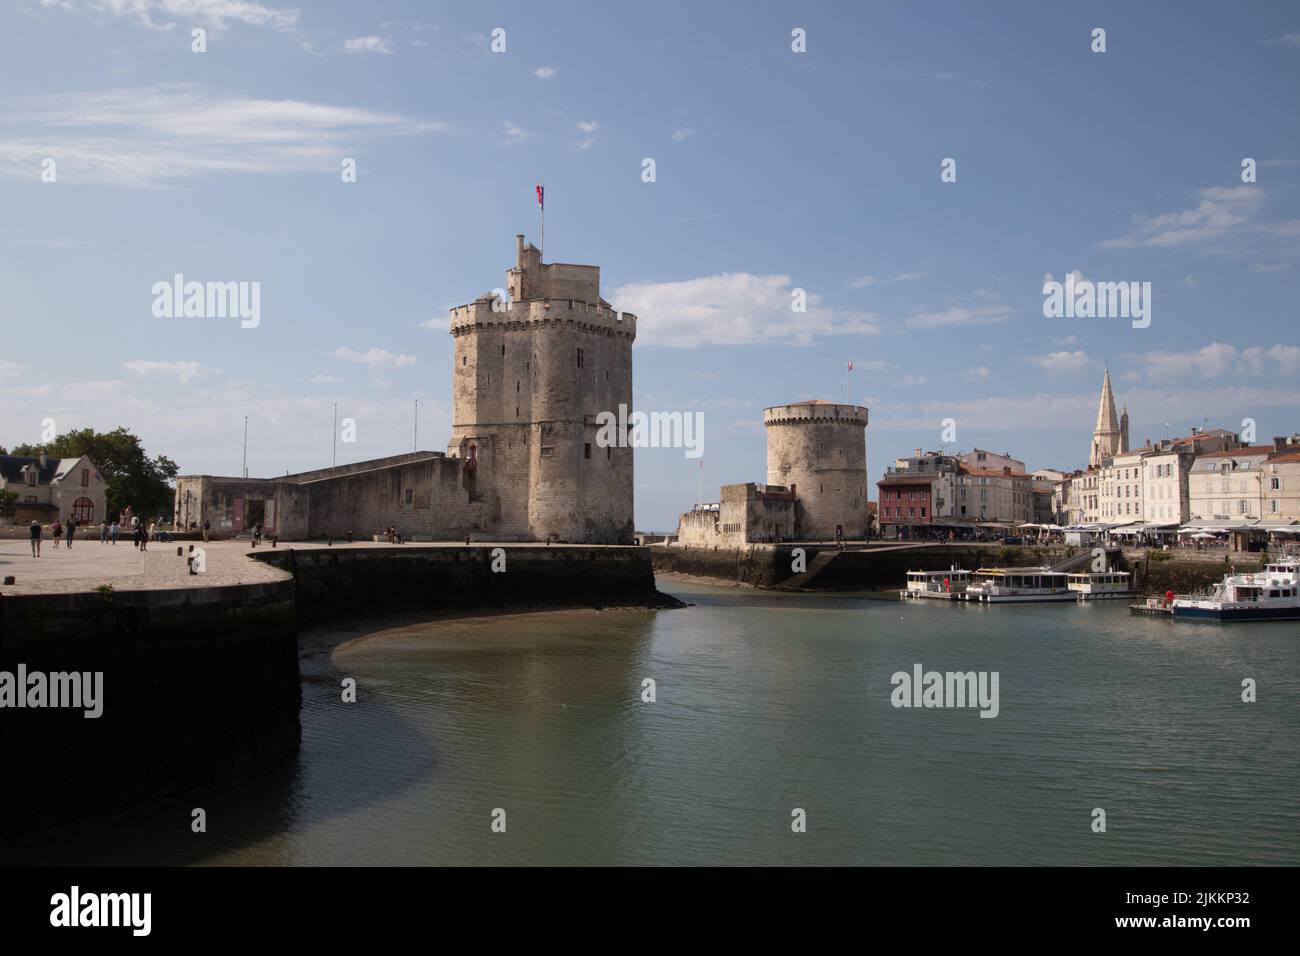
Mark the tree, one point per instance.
(7, 499)
(130, 476)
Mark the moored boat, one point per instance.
(1018, 585)
(1269, 595)
(941, 585)
(1100, 585)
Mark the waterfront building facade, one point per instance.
(48, 488)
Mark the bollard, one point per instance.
(191, 549)
(275, 542)
(180, 551)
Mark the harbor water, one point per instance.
(764, 704)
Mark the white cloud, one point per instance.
(589, 126)
(1284, 359)
(321, 379)
(863, 282)
(681, 134)
(1079, 411)
(514, 133)
(1213, 361)
(373, 358)
(583, 143)
(1063, 361)
(1287, 39)
(959, 315)
(735, 308)
(212, 13)
(544, 72)
(1220, 212)
(370, 44)
(183, 372)
(981, 373)
(149, 137)
(8, 368)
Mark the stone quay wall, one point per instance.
(200, 689)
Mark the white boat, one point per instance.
(941, 585)
(1020, 585)
(1099, 585)
(1269, 595)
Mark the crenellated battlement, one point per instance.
(814, 413)
(539, 313)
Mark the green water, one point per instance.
(766, 703)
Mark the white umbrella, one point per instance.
(1203, 535)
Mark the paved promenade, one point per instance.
(89, 564)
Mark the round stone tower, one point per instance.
(819, 449)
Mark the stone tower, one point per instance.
(1110, 437)
(819, 449)
(531, 375)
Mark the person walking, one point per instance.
(103, 532)
(144, 536)
(36, 539)
(112, 533)
(207, 526)
(137, 534)
(72, 529)
(56, 532)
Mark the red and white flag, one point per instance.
(540, 190)
(850, 366)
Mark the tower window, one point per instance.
(516, 386)
(606, 452)
(586, 450)
(503, 348)
(579, 358)
(464, 360)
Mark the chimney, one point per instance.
(1279, 443)
(916, 452)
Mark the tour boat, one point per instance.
(998, 585)
(1269, 595)
(1098, 585)
(944, 585)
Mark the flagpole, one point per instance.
(541, 238)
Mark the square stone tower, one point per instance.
(532, 371)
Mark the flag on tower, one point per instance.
(540, 205)
(850, 366)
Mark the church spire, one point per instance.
(1109, 438)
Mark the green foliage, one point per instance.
(130, 476)
(7, 499)
(1159, 556)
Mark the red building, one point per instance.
(904, 500)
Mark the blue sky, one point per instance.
(775, 170)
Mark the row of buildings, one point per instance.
(1209, 478)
